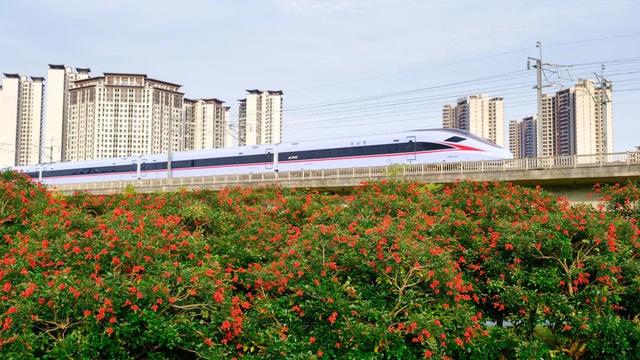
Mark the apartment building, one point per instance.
(522, 137)
(478, 114)
(21, 105)
(206, 124)
(514, 138)
(122, 114)
(580, 120)
(59, 80)
(548, 124)
(449, 117)
(573, 122)
(260, 117)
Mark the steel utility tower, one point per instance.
(538, 66)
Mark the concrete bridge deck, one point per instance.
(571, 176)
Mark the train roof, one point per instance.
(249, 148)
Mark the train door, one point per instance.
(411, 148)
(268, 164)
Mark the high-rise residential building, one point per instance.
(206, 123)
(260, 118)
(522, 137)
(21, 118)
(514, 138)
(59, 79)
(478, 114)
(120, 114)
(547, 119)
(565, 128)
(449, 117)
(189, 124)
(580, 119)
(495, 128)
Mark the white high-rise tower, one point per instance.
(20, 119)
(260, 118)
(59, 79)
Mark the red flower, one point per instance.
(31, 288)
(332, 318)
(218, 296)
(312, 340)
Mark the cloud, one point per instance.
(314, 6)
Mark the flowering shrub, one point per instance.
(391, 270)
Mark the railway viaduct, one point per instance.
(569, 176)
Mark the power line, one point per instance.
(490, 78)
(457, 62)
(317, 116)
(373, 77)
(594, 39)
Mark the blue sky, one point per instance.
(335, 51)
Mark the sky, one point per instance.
(346, 67)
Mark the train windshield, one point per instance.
(465, 134)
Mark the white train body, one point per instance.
(410, 147)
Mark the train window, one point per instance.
(396, 140)
(455, 139)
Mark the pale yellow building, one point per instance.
(21, 120)
(59, 80)
(260, 118)
(120, 114)
(478, 114)
(579, 120)
(206, 124)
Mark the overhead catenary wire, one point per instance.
(437, 99)
(462, 61)
(399, 118)
(425, 103)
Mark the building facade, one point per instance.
(119, 114)
(206, 122)
(21, 106)
(478, 114)
(580, 114)
(260, 118)
(514, 138)
(59, 79)
(522, 138)
(548, 124)
(449, 117)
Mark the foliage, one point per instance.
(394, 270)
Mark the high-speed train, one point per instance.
(410, 147)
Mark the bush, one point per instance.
(392, 270)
